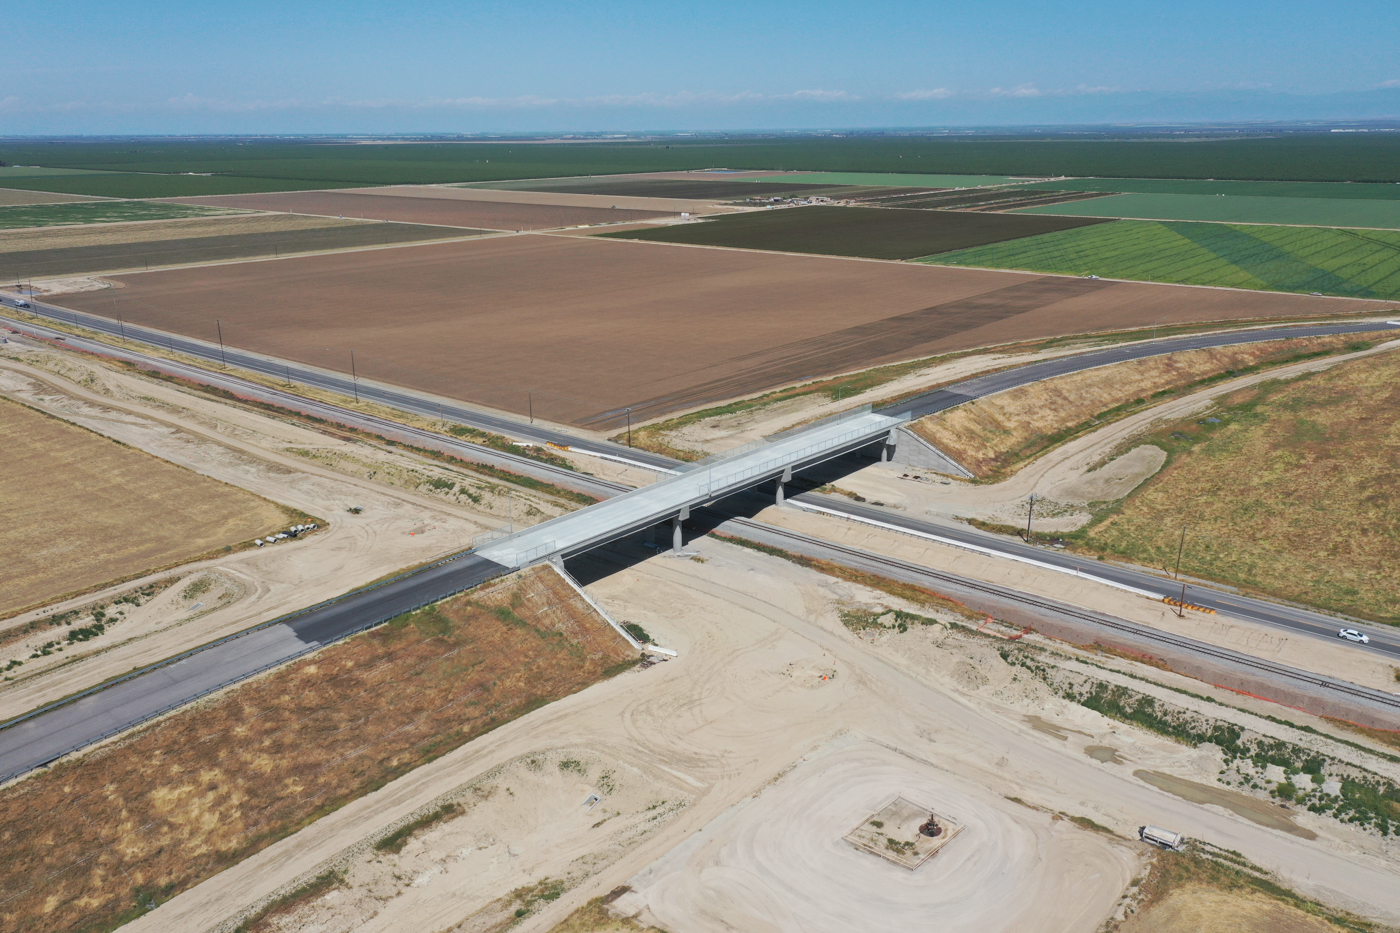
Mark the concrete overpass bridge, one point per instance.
(693, 485)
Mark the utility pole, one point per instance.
(839, 390)
(629, 427)
(1181, 548)
(1030, 512)
(223, 360)
(530, 397)
(289, 374)
(354, 379)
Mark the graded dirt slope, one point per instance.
(590, 326)
(81, 510)
(203, 789)
(446, 211)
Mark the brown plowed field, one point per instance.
(556, 198)
(448, 211)
(592, 325)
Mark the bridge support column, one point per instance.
(782, 484)
(676, 537)
(887, 448)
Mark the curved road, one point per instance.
(45, 735)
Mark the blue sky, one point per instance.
(350, 66)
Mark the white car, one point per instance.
(1351, 634)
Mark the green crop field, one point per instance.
(1354, 263)
(1312, 212)
(97, 212)
(868, 232)
(280, 165)
(1256, 189)
(9, 173)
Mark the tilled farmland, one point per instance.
(446, 211)
(580, 328)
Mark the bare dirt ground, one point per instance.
(450, 210)
(593, 308)
(768, 676)
(1321, 655)
(412, 511)
(1069, 477)
(778, 861)
(558, 198)
(66, 488)
(9, 196)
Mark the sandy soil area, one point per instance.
(449, 211)
(778, 861)
(405, 519)
(766, 676)
(1321, 655)
(713, 324)
(558, 198)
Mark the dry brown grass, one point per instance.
(89, 844)
(10, 196)
(1294, 493)
(594, 917)
(40, 238)
(1198, 908)
(996, 435)
(81, 510)
(1217, 891)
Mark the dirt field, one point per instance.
(10, 196)
(556, 198)
(66, 489)
(997, 434)
(449, 211)
(1292, 492)
(591, 325)
(194, 793)
(71, 250)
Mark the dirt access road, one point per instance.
(767, 676)
(582, 328)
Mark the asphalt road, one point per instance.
(49, 733)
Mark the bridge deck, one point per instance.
(693, 485)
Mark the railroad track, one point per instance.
(856, 557)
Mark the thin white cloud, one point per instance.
(1021, 90)
(1395, 82)
(938, 93)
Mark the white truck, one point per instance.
(1162, 838)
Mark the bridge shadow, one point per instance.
(625, 553)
